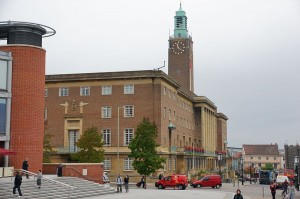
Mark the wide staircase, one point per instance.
(76, 188)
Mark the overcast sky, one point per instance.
(246, 52)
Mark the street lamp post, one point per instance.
(170, 127)
(118, 147)
(219, 160)
(296, 160)
(242, 163)
(250, 166)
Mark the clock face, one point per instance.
(178, 47)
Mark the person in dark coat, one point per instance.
(238, 194)
(273, 189)
(126, 182)
(18, 182)
(59, 170)
(25, 166)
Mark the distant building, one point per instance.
(235, 154)
(259, 155)
(290, 152)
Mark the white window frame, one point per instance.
(128, 135)
(127, 164)
(128, 111)
(46, 92)
(63, 91)
(107, 164)
(106, 112)
(45, 113)
(128, 89)
(85, 91)
(106, 90)
(106, 136)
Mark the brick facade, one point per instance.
(156, 96)
(27, 127)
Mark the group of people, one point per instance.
(18, 177)
(288, 190)
(120, 182)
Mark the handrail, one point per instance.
(47, 179)
(84, 177)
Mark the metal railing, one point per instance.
(47, 179)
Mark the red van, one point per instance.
(175, 180)
(213, 181)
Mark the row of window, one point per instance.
(182, 121)
(267, 158)
(106, 111)
(127, 164)
(180, 103)
(128, 136)
(86, 90)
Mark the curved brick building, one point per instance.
(24, 42)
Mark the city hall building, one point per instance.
(191, 132)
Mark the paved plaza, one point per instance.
(253, 191)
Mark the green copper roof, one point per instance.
(180, 24)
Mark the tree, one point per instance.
(47, 148)
(91, 147)
(142, 146)
(268, 166)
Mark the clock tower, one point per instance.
(180, 59)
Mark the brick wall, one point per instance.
(94, 170)
(27, 110)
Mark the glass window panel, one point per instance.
(2, 115)
(3, 75)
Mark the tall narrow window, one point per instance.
(127, 166)
(84, 90)
(106, 90)
(107, 164)
(128, 111)
(46, 92)
(128, 136)
(106, 136)
(63, 91)
(73, 138)
(106, 112)
(45, 113)
(3, 74)
(165, 110)
(129, 89)
(2, 115)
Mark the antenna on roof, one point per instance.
(161, 66)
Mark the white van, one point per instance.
(280, 179)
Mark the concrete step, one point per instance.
(84, 189)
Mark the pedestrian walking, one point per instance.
(273, 189)
(17, 183)
(119, 183)
(126, 182)
(143, 181)
(238, 194)
(291, 190)
(106, 180)
(39, 179)
(59, 170)
(25, 167)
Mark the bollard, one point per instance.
(263, 191)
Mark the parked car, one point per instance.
(280, 180)
(175, 180)
(213, 181)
